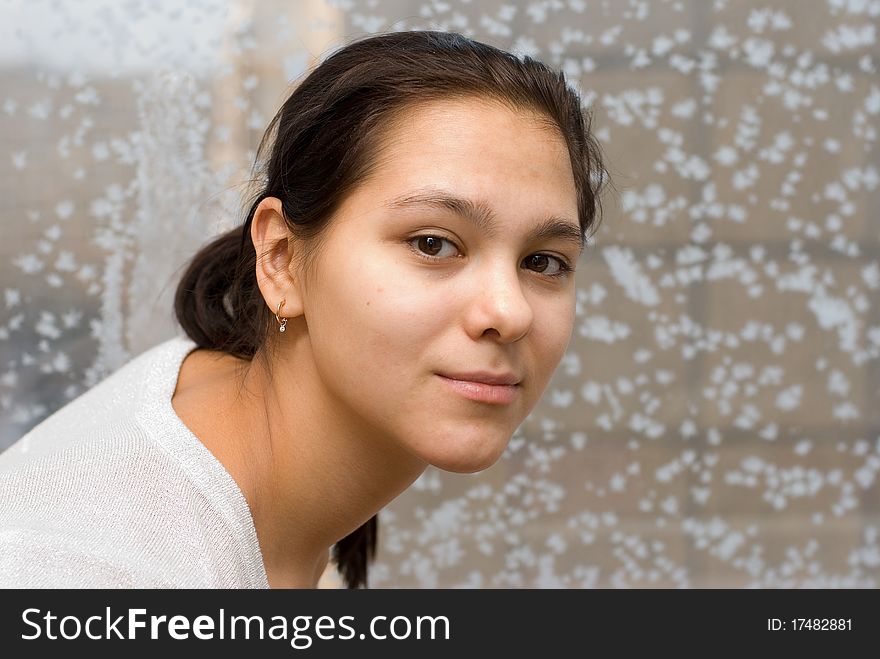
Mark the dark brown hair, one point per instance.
(324, 142)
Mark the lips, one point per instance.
(482, 392)
(484, 377)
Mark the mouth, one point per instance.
(482, 392)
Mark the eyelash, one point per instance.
(564, 268)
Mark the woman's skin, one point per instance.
(355, 409)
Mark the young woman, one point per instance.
(399, 296)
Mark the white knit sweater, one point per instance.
(114, 491)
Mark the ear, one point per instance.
(274, 259)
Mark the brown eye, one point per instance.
(430, 245)
(539, 262)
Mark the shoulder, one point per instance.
(31, 558)
(132, 495)
(128, 520)
(124, 404)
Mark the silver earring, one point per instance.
(281, 321)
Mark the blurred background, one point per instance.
(716, 420)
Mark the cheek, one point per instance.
(370, 320)
(551, 334)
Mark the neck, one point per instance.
(310, 469)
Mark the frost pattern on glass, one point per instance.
(716, 420)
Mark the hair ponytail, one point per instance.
(203, 300)
(354, 552)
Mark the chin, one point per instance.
(467, 464)
(461, 448)
(467, 469)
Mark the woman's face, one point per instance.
(390, 326)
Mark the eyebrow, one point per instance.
(481, 215)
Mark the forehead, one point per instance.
(514, 160)
(451, 126)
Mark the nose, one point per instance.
(498, 306)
